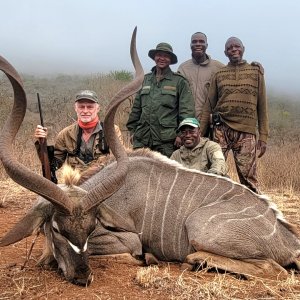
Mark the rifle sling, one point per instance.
(103, 147)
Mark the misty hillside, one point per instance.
(278, 168)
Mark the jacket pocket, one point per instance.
(169, 97)
(167, 132)
(143, 96)
(141, 130)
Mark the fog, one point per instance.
(43, 37)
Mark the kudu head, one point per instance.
(70, 215)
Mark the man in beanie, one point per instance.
(164, 100)
(197, 152)
(238, 98)
(199, 70)
(83, 142)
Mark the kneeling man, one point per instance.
(197, 152)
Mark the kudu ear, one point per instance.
(33, 220)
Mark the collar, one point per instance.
(166, 75)
(96, 129)
(205, 63)
(242, 62)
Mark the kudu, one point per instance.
(148, 206)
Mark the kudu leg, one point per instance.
(122, 258)
(123, 247)
(127, 258)
(150, 259)
(248, 268)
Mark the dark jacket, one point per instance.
(158, 109)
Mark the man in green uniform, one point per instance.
(197, 152)
(164, 100)
(237, 96)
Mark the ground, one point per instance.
(22, 279)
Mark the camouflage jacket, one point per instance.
(207, 157)
(65, 148)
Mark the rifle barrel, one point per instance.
(43, 146)
(40, 109)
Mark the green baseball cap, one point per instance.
(164, 47)
(86, 95)
(193, 122)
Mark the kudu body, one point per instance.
(152, 205)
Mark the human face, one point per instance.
(198, 45)
(234, 50)
(162, 59)
(190, 136)
(86, 110)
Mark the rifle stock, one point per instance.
(43, 147)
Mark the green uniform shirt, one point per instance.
(158, 109)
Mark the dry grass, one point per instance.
(277, 170)
(208, 285)
(278, 173)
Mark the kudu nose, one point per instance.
(83, 280)
(83, 277)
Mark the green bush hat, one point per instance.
(193, 122)
(165, 47)
(86, 95)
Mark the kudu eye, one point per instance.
(55, 230)
(55, 227)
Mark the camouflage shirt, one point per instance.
(207, 157)
(65, 148)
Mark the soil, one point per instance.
(20, 278)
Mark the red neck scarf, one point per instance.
(88, 125)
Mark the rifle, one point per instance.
(210, 130)
(44, 156)
(211, 127)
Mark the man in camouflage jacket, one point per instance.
(82, 143)
(197, 152)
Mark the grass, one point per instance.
(278, 174)
(205, 285)
(277, 169)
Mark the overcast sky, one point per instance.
(92, 36)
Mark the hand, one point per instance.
(178, 142)
(40, 132)
(261, 148)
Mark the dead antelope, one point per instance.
(148, 206)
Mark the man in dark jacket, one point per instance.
(164, 100)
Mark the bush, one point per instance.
(277, 169)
